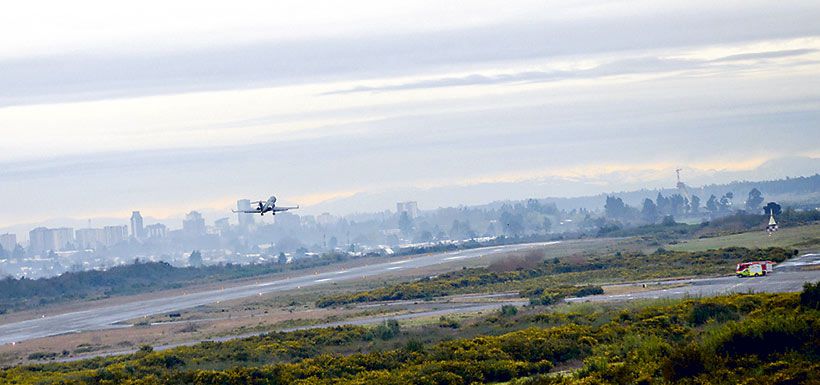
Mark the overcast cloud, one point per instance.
(168, 108)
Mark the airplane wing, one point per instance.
(246, 211)
(277, 208)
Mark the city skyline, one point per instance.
(775, 171)
(663, 178)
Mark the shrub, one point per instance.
(446, 322)
(703, 312)
(509, 310)
(810, 296)
(589, 290)
(414, 346)
(388, 329)
(684, 363)
(42, 356)
(764, 336)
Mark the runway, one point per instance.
(105, 317)
(456, 309)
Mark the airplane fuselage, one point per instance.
(268, 206)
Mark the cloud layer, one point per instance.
(316, 102)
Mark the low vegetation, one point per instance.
(546, 280)
(770, 338)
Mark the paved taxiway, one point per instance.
(787, 277)
(105, 317)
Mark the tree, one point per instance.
(663, 204)
(694, 205)
(460, 230)
(726, 201)
(288, 244)
(546, 225)
(490, 230)
(513, 223)
(615, 207)
(533, 205)
(405, 224)
(754, 200)
(195, 259)
(677, 204)
(712, 204)
(649, 212)
(282, 259)
(424, 236)
(772, 207)
(2, 252)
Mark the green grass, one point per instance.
(804, 238)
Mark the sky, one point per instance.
(167, 107)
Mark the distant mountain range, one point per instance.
(589, 192)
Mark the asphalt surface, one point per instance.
(106, 317)
(456, 309)
(788, 276)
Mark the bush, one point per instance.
(810, 297)
(414, 346)
(684, 363)
(42, 356)
(589, 290)
(446, 322)
(764, 337)
(509, 310)
(703, 312)
(388, 329)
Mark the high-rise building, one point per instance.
(223, 224)
(245, 220)
(193, 224)
(90, 238)
(411, 208)
(40, 240)
(115, 234)
(325, 219)
(62, 238)
(137, 230)
(8, 242)
(156, 231)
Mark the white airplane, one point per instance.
(265, 207)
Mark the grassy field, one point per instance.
(721, 340)
(804, 238)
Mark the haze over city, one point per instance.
(167, 108)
